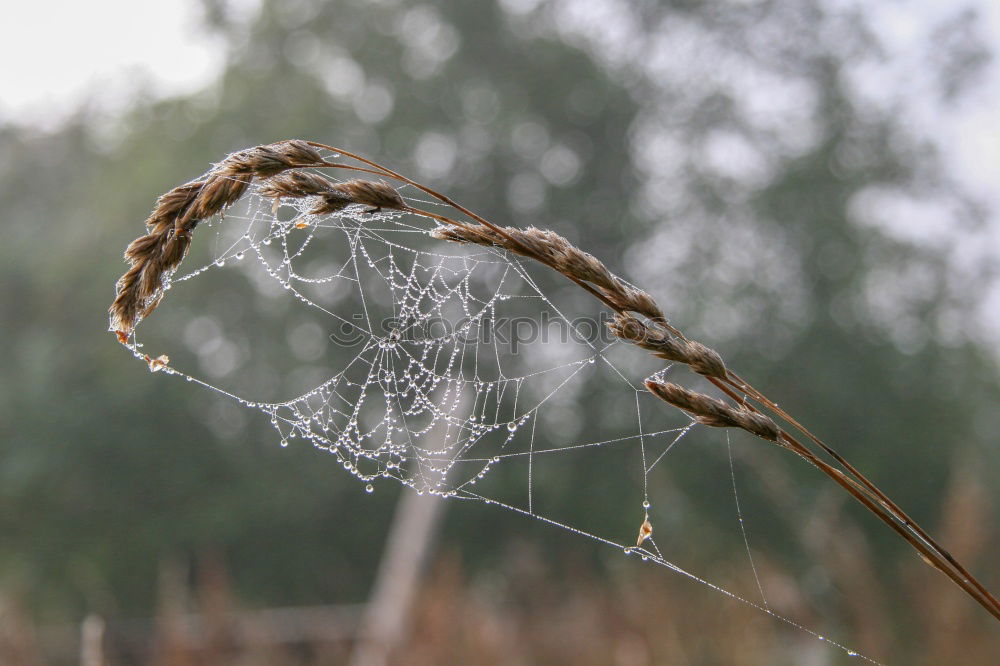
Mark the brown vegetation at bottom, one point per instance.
(534, 611)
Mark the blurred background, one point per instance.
(808, 187)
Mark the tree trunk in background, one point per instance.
(385, 622)
(92, 641)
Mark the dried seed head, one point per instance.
(650, 337)
(471, 233)
(636, 300)
(264, 161)
(300, 153)
(369, 193)
(760, 425)
(154, 256)
(587, 267)
(173, 204)
(712, 412)
(332, 196)
(697, 404)
(555, 251)
(653, 337)
(531, 242)
(705, 361)
(216, 194)
(630, 329)
(295, 184)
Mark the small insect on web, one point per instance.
(423, 349)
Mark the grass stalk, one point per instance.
(638, 320)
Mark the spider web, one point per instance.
(442, 367)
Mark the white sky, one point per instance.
(59, 54)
